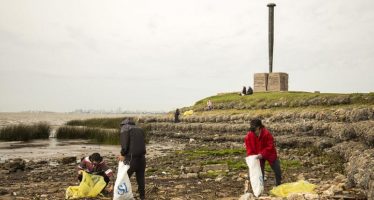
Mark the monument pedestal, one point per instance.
(273, 82)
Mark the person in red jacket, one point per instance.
(260, 142)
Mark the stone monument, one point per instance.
(270, 81)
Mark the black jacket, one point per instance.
(132, 139)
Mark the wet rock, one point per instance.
(3, 191)
(14, 165)
(68, 160)
(42, 162)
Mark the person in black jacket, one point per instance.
(176, 116)
(250, 90)
(244, 91)
(133, 151)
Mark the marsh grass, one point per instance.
(97, 135)
(22, 132)
(112, 123)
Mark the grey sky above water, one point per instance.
(159, 55)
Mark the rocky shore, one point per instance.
(332, 148)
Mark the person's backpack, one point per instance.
(249, 91)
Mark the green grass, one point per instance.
(263, 100)
(23, 132)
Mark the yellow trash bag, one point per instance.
(90, 186)
(189, 112)
(286, 189)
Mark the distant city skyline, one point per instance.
(160, 55)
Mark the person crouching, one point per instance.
(95, 165)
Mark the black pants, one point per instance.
(137, 165)
(106, 178)
(276, 168)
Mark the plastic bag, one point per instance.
(296, 187)
(255, 175)
(187, 113)
(90, 186)
(122, 187)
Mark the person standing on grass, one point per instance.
(133, 151)
(176, 116)
(210, 105)
(260, 142)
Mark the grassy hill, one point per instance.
(266, 100)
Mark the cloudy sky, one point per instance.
(158, 55)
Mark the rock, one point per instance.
(42, 162)
(44, 195)
(239, 179)
(332, 190)
(216, 167)
(311, 196)
(219, 178)
(192, 175)
(193, 169)
(16, 164)
(180, 187)
(68, 160)
(3, 191)
(301, 177)
(296, 197)
(339, 178)
(247, 196)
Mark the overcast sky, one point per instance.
(163, 54)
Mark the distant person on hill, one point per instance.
(260, 142)
(250, 90)
(244, 91)
(210, 105)
(94, 164)
(176, 116)
(133, 151)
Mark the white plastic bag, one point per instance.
(122, 187)
(255, 175)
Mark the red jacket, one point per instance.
(264, 145)
(89, 167)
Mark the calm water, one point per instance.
(53, 148)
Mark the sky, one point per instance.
(158, 55)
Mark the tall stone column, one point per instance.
(271, 35)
